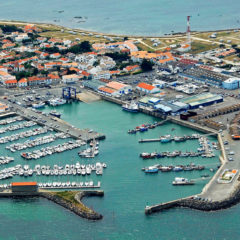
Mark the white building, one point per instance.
(231, 83)
(70, 78)
(102, 75)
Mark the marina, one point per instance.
(171, 168)
(36, 142)
(116, 162)
(17, 126)
(56, 170)
(11, 120)
(36, 154)
(205, 150)
(26, 134)
(169, 138)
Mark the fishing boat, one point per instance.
(38, 105)
(151, 169)
(57, 101)
(55, 113)
(182, 181)
(130, 107)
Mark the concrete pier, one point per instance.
(57, 124)
(7, 114)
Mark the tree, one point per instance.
(22, 74)
(118, 56)
(146, 65)
(10, 28)
(80, 48)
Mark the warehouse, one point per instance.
(204, 99)
(147, 88)
(163, 109)
(29, 187)
(205, 76)
(93, 84)
(231, 83)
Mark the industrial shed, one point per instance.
(30, 187)
(204, 99)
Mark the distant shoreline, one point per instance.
(79, 30)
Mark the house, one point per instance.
(30, 28)
(107, 63)
(54, 78)
(86, 75)
(102, 74)
(132, 68)
(147, 88)
(10, 83)
(33, 81)
(4, 76)
(55, 55)
(22, 82)
(21, 37)
(70, 78)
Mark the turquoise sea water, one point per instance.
(133, 17)
(127, 189)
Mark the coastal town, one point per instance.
(189, 80)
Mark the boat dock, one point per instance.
(171, 138)
(78, 186)
(57, 125)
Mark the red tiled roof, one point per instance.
(106, 89)
(145, 86)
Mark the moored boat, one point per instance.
(130, 107)
(182, 181)
(55, 114)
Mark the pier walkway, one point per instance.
(57, 125)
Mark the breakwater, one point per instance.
(77, 207)
(80, 209)
(197, 203)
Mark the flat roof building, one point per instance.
(29, 187)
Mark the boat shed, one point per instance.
(30, 187)
(147, 88)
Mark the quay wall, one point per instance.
(192, 125)
(18, 194)
(197, 204)
(223, 160)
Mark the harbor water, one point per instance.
(127, 189)
(132, 17)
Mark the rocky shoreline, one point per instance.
(84, 211)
